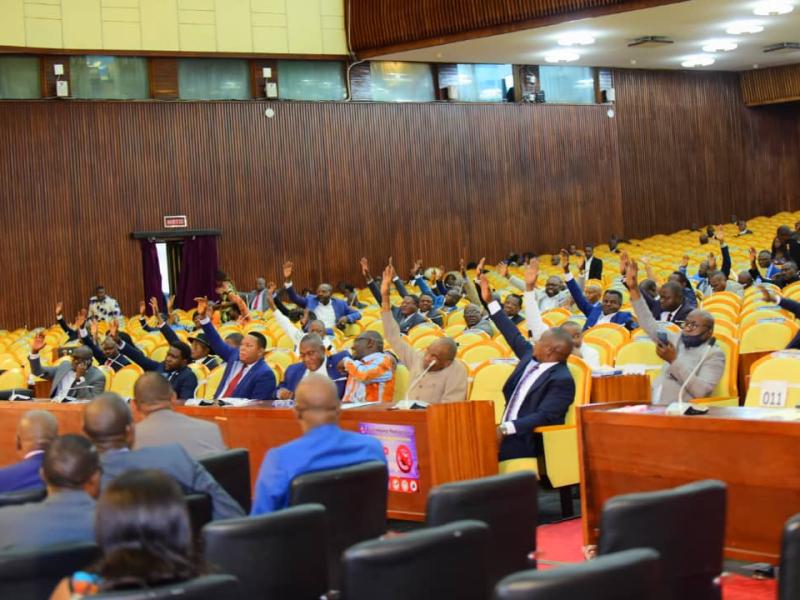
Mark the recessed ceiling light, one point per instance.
(698, 60)
(576, 38)
(720, 46)
(556, 56)
(772, 8)
(741, 27)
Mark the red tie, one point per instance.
(232, 385)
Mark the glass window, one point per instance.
(401, 82)
(108, 77)
(19, 77)
(311, 80)
(214, 79)
(567, 85)
(484, 83)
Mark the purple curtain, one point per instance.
(198, 268)
(152, 274)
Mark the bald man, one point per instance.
(154, 398)
(322, 446)
(35, 431)
(435, 375)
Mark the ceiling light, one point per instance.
(556, 56)
(720, 46)
(698, 60)
(771, 8)
(576, 38)
(741, 27)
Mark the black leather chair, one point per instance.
(208, 587)
(685, 525)
(355, 503)
(200, 512)
(279, 555)
(508, 504)
(34, 574)
(627, 575)
(23, 497)
(789, 574)
(231, 469)
(436, 562)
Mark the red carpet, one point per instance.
(563, 542)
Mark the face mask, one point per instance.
(692, 341)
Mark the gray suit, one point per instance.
(172, 460)
(67, 516)
(93, 384)
(674, 375)
(199, 438)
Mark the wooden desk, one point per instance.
(453, 441)
(623, 453)
(746, 361)
(620, 388)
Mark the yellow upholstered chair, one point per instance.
(213, 381)
(728, 383)
(556, 316)
(123, 381)
(773, 370)
(604, 349)
(9, 361)
(421, 330)
(375, 326)
(640, 352)
(280, 358)
(763, 314)
(159, 353)
(13, 379)
(455, 330)
(283, 342)
(614, 334)
(763, 337)
(481, 351)
(455, 317)
(487, 384)
(423, 341)
(725, 327)
(402, 378)
(465, 340)
(722, 311)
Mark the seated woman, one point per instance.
(143, 530)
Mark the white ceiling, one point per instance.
(690, 24)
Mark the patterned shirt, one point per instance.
(370, 379)
(106, 309)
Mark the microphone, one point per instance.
(68, 398)
(679, 408)
(406, 403)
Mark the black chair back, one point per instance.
(279, 555)
(508, 504)
(436, 562)
(23, 496)
(627, 575)
(200, 512)
(231, 469)
(789, 574)
(685, 525)
(34, 574)
(355, 503)
(208, 587)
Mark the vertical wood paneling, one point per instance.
(163, 78)
(770, 86)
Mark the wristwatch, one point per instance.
(505, 429)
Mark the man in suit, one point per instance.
(109, 424)
(246, 374)
(312, 360)
(407, 314)
(331, 311)
(593, 265)
(787, 304)
(539, 391)
(323, 445)
(786, 242)
(153, 398)
(36, 430)
(76, 380)
(513, 307)
(427, 310)
(257, 299)
(71, 470)
(607, 311)
(671, 306)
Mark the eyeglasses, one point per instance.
(692, 325)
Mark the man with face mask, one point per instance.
(331, 311)
(682, 352)
(312, 360)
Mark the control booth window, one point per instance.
(567, 85)
(402, 82)
(484, 83)
(311, 80)
(19, 77)
(214, 79)
(109, 77)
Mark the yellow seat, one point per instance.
(614, 334)
(455, 317)
(283, 342)
(556, 316)
(728, 385)
(454, 331)
(640, 352)
(13, 379)
(766, 336)
(213, 381)
(781, 366)
(465, 340)
(160, 353)
(723, 312)
(488, 382)
(9, 361)
(401, 380)
(423, 341)
(604, 349)
(123, 381)
(762, 314)
(481, 351)
(280, 358)
(375, 326)
(421, 330)
(108, 373)
(726, 328)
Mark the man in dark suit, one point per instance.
(786, 304)
(671, 306)
(407, 314)
(257, 299)
(75, 380)
(331, 311)
(246, 374)
(427, 310)
(593, 265)
(786, 242)
(109, 424)
(312, 360)
(71, 470)
(35, 432)
(539, 391)
(606, 311)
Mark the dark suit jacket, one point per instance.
(593, 311)
(115, 363)
(794, 308)
(183, 381)
(655, 309)
(62, 518)
(596, 268)
(295, 373)
(23, 475)
(405, 323)
(93, 384)
(435, 316)
(547, 401)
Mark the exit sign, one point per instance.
(176, 221)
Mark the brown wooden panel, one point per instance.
(361, 82)
(770, 86)
(257, 76)
(164, 78)
(49, 78)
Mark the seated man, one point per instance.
(742, 227)
(745, 280)
(257, 299)
(475, 320)
(77, 380)
(201, 352)
(103, 307)
(295, 334)
(323, 445)
(512, 307)
(539, 391)
(719, 282)
(588, 354)
(671, 305)
(71, 470)
(107, 354)
(609, 309)
(247, 375)
(174, 368)
(331, 311)
(786, 304)
(427, 310)
(407, 314)
(593, 265)
(153, 399)
(451, 299)
(682, 352)
(553, 295)
(109, 424)
(312, 360)
(370, 371)
(435, 375)
(36, 430)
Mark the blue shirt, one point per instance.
(324, 447)
(23, 475)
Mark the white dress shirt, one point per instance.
(590, 356)
(296, 334)
(321, 371)
(326, 314)
(521, 391)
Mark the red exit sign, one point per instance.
(175, 221)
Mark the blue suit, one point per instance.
(183, 381)
(794, 308)
(23, 475)
(115, 363)
(258, 384)
(340, 308)
(322, 448)
(64, 517)
(295, 373)
(594, 311)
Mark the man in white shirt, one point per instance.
(257, 299)
(295, 334)
(589, 355)
(103, 307)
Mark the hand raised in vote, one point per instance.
(59, 309)
(113, 330)
(479, 268)
(564, 260)
(712, 262)
(531, 274)
(769, 295)
(364, 266)
(154, 305)
(685, 260)
(502, 269)
(37, 343)
(288, 269)
(93, 327)
(202, 306)
(80, 320)
(386, 281)
(623, 263)
(170, 303)
(631, 276)
(486, 291)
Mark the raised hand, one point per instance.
(288, 269)
(271, 287)
(712, 262)
(170, 303)
(142, 308)
(113, 330)
(364, 267)
(644, 260)
(38, 343)
(154, 305)
(202, 306)
(720, 235)
(59, 309)
(486, 291)
(769, 295)
(462, 266)
(502, 269)
(753, 256)
(93, 327)
(631, 276)
(479, 268)
(532, 274)
(685, 261)
(441, 272)
(386, 281)
(80, 320)
(417, 267)
(564, 260)
(304, 318)
(624, 260)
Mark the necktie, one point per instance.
(529, 372)
(232, 385)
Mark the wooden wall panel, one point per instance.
(770, 86)
(163, 78)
